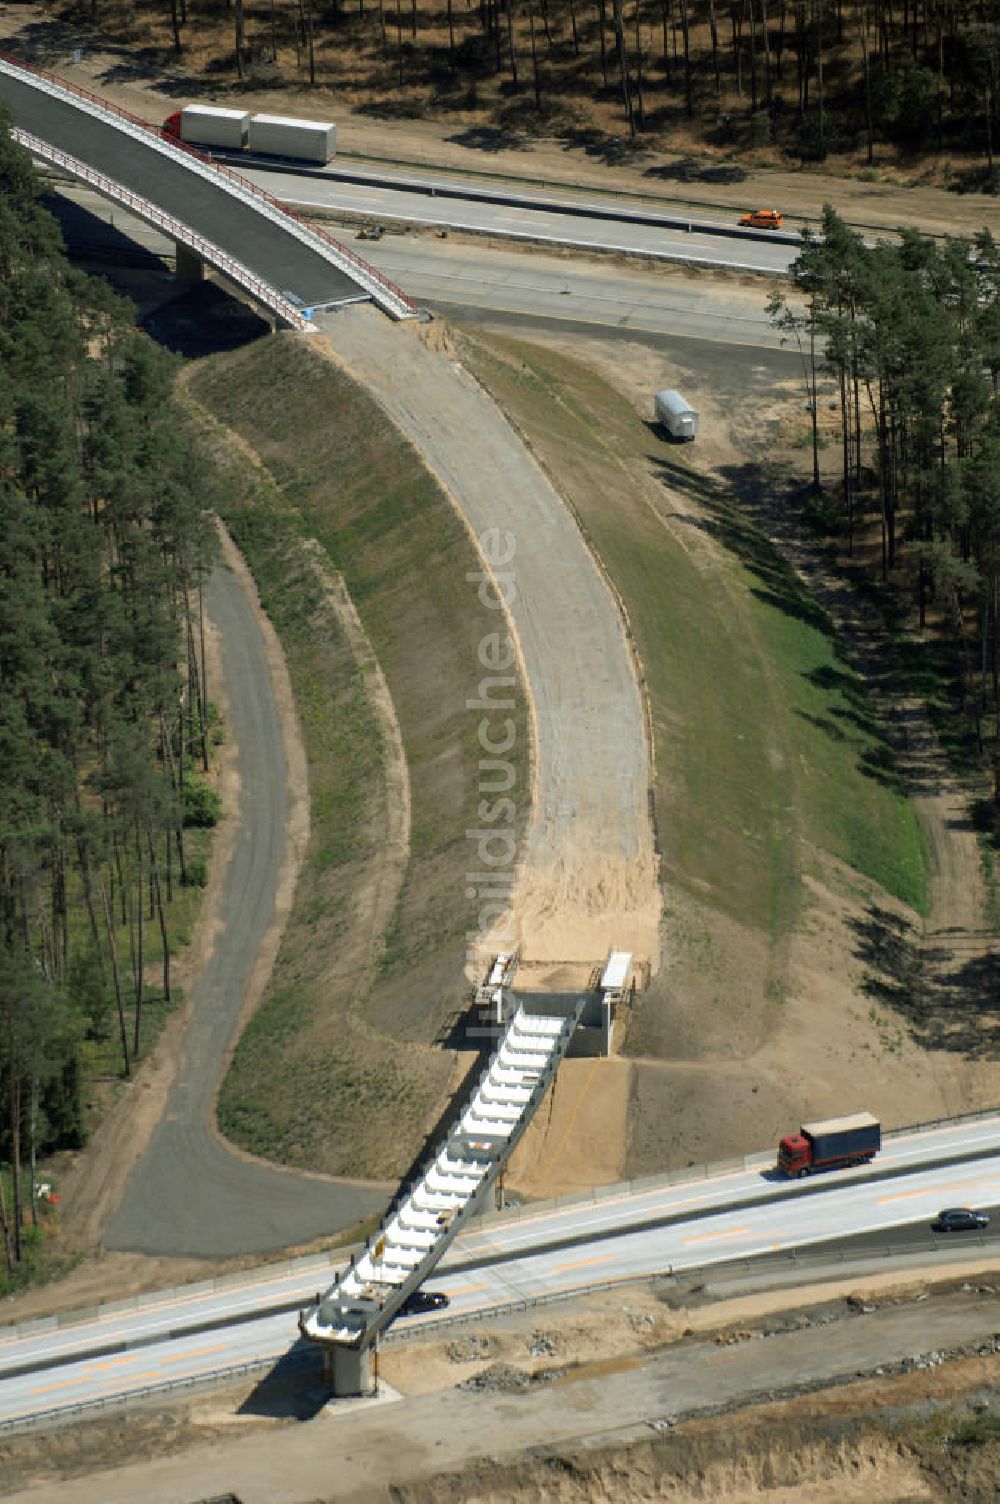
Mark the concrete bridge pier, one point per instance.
(347, 1370)
(190, 269)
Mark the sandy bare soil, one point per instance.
(578, 1137)
(587, 877)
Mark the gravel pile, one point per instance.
(469, 1349)
(502, 1377)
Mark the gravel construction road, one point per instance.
(587, 875)
(190, 1194)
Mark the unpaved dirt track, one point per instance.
(190, 1194)
(587, 873)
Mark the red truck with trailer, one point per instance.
(831, 1145)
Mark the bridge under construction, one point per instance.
(534, 1032)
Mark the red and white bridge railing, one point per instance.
(262, 291)
(381, 289)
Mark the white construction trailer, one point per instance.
(676, 415)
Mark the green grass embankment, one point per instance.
(767, 752)
(337, 1070)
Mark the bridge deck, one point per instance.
(276, 257)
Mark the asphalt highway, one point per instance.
(695, 1224)
(581, 291)
(523, 221)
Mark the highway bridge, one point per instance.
(215, 216)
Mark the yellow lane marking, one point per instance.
(671, 1206)
(467, 1290)
(605, 1258)
(934, 1190)
(197, 1352)
(114, 1362)
(707, 1237)
(63, 1384)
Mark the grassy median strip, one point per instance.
(338, 1070)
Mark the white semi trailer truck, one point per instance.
(313, 141)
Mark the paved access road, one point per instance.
(276, 256)
(688, 1225)
(525, 221)
(190, 1194)
(360, 1451)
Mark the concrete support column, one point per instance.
(347, 1370)
(190, 267)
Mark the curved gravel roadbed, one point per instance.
(587, 874)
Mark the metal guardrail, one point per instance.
(760, 1159)
(121, 1401)
(391, 298)
(334, 1258)
(787, 1261)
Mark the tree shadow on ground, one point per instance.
(979, 179)
(49, 44)
(726, 522)
(613, 151)
(391, 108)
(693, 170)
(293, 1389)
(947, 1003)
(46, 43)
(983, 817)
(492, 138)
(745, 530)
(151, 66)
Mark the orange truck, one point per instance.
(763, 219)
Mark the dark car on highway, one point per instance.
(960, 1219)
(422, 1301)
